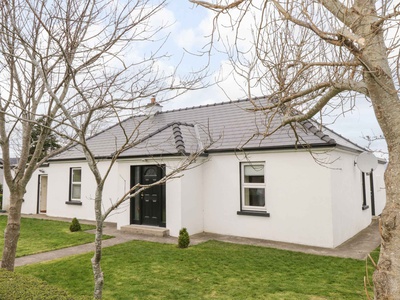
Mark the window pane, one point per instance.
(254, 174)
(76, 175)
(254, 197)
(76, 191)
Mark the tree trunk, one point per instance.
(12, 231)
(97, 272)
(387, 276)
(385, 100)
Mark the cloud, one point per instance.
(186, 38)
(165, 18)
(193, 33)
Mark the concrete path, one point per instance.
(119, 238)
(358, 247)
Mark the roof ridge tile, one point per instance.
(308, 125)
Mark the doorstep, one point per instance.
(145, 230)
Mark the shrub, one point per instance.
(75, 226)
(184, 239)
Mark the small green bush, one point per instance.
(183, 239)
(75, 226)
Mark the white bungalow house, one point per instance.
(302, 188)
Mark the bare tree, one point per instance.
(313, 57)
(103, 210)
(128, 139)
(23, 100)
(73, 65)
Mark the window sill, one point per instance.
(253, 213)
(73, 202)
(364, 207)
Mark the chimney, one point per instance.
(153, 107)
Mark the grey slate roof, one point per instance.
(13, 161)
(230, 125)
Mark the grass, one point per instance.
(17, 286)
(45, 235)
(212, 270)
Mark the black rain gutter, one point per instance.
(205, 154)
(128, 156)
(291, 147)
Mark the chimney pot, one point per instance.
(153, 107)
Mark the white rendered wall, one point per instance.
(184, 207)
(184, 199)
(117, 184)
(298, 198)
(379, 188)
(308, 203)
(29, 205)
(6, 196)
(58, 191)
(174, 206)
(348, 216)
(192, 201)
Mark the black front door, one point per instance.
(148, 207)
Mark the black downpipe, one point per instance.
(371, 183)
(364, 205)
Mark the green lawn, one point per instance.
(15, 286)
(212, 270)
(45, 235)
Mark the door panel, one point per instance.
(43, 194)
(151, 209)
(148, 207)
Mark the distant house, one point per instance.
(13, 162)
(271, 188)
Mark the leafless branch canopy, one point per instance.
(308, 56)
(315, 57)
(76, 64)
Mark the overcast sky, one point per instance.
(189, 26)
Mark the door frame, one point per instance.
(136, 202)
(40, 176)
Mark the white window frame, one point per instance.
(72, 183)
(258, 185)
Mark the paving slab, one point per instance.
(357, 247)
